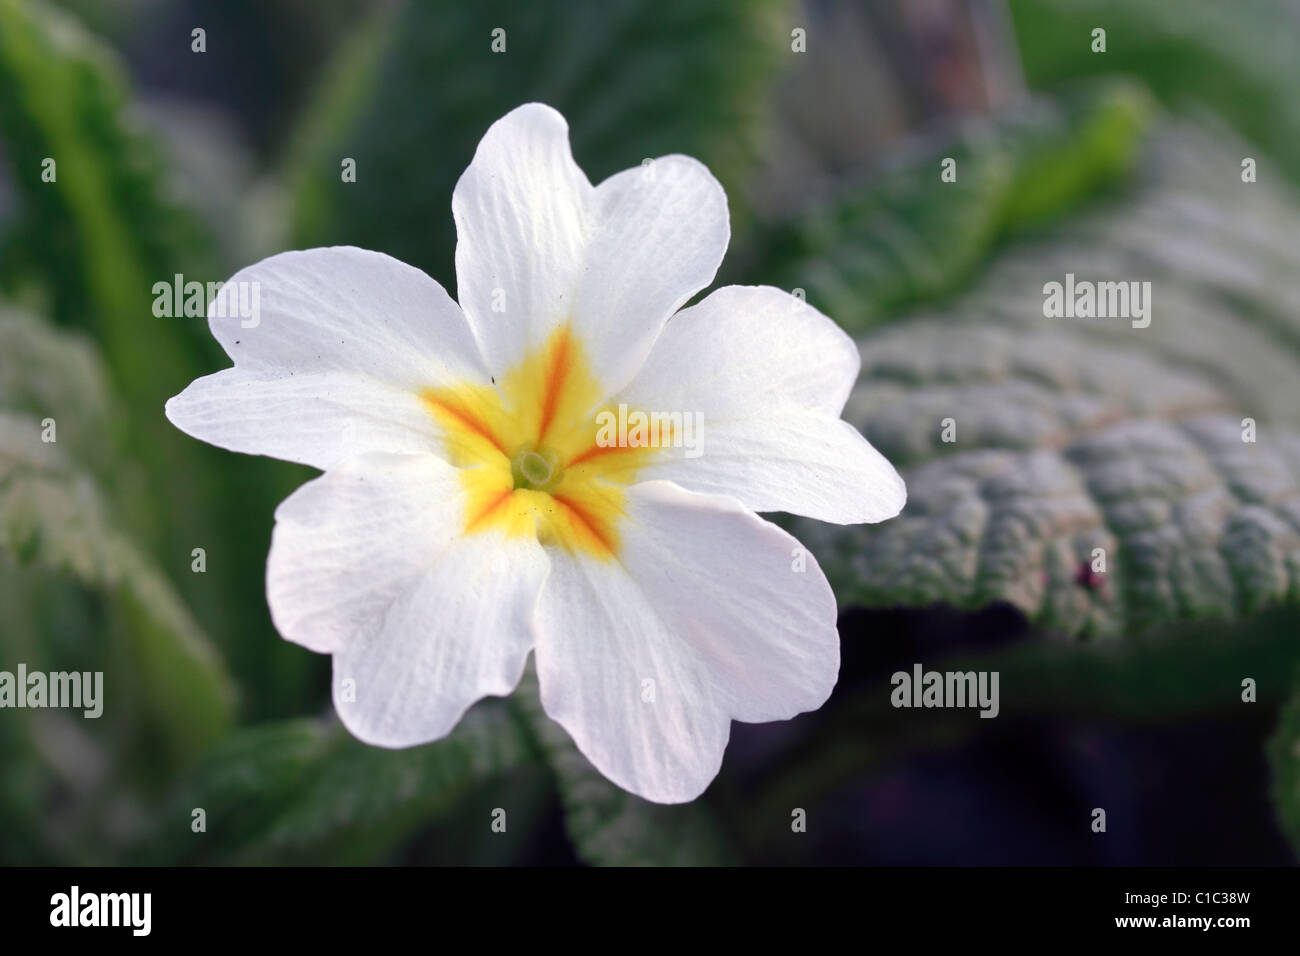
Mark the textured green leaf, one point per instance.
(908, 237)
(411, 97)
(1239, 57)
(1075, 434)
(241, 784)
(48, 374)
(53, 517)
(300, 792)
(609, 826)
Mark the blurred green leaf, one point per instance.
(1284, 756)
(23, 787)
(413, 94)
(92, 244)
(1179, 670)
(1076, 434)
(102, 232)
(53, 516)
(908, 237)
(241, 784)
(1239, 58)
(607, 825)
(301, 792)
(45, 372)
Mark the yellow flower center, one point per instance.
(528, 451)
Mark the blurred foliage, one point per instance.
(1284, 755)
(98, 239)
(906, 237)
(1238, 58)
(247, 66)
(52, 517)
(301, 792)
(1173, 674)
(411, 95)
(80, 595)
(88, 248)
(1071, 436)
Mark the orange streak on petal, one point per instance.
(590, 524)
(492, 506)
(598, 451)
(465, 418)
(557, 373)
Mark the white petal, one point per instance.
(705, 601)
(368, 562)
(314, 419)
(344, 340)
(767, 375)
(523, 212)
(663, 230)
(538, 246)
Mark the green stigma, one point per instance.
(535, 470)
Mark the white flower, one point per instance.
(467, 515)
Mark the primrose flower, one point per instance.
(558, 465)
